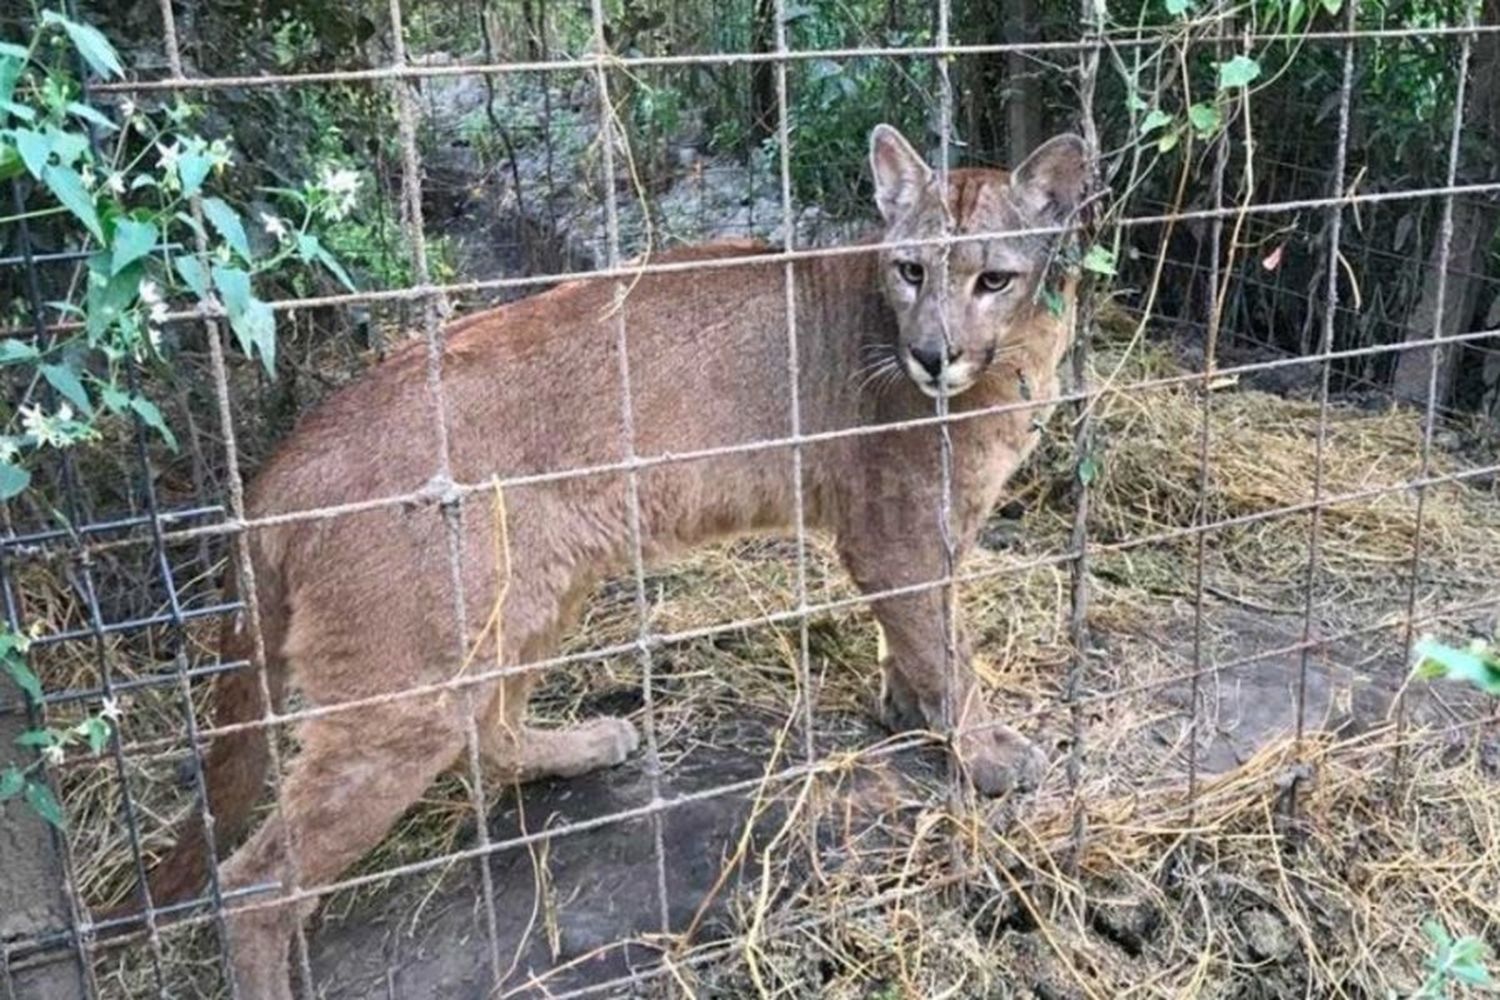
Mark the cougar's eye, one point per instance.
(911, 272)
(994, 281)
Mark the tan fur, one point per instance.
(361, 604)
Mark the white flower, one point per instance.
(218, 154)
(116, 184)
(87, 176)
(341, 185)
(9, 448)
(34, 423)
(340, 181)
(127, 109)
(110, 709)
(153, 335)
(48, 430)
(54, 754)
(274, 225)
(168, 156)
(159, 313)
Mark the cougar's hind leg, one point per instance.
(357, 772)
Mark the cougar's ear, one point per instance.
(1054, 180)
(900, 174)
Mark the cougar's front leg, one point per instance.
(920, 668)
(524, 753)
(889, 541)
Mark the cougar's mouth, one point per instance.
(955, 378)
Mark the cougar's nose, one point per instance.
(931, 359)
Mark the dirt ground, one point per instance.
(581, 909)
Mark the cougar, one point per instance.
(364, 604)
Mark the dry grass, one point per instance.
(1228, 898)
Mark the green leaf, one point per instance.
(96, 730)
(90, 115)
(1177, 8)
(11, 783)
(13, 479)
(1295, 12)
(152, 416)
(1472, 973)
(114, 398)
(193, 168)
(40, 798)
(69, 147)
(1468, 951)
(234, 285)
(312, 250)
(12, 350)
(35, 149)
(1333, 6)
(21, 111)
(1438, 661)
(12, 64)
(1088, 470)
(1053, 300)
(1100, 260)
(1155, 120)
(90, 43)
(1205, 119)
(253, 322)
(227, 221)
(38, 738)
(17, 670)
(133, 240)
(255, 328)
(68, 187)
(191, 271)
(1238, 72)
(65, 380)
(11, 164)
(109, 293)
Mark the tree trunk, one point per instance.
(763, 120)
(1023, 91)
(1475, 220)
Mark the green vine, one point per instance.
(136, 188)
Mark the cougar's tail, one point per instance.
(236, 763)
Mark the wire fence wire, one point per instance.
(175, 540)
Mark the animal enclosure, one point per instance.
(1272, 471)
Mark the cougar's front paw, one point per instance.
(898, 707)
(615, 739)
(1000, 761)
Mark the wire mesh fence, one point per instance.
(1272, 469)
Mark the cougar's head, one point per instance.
(958, 304)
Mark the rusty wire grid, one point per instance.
(178, 540)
